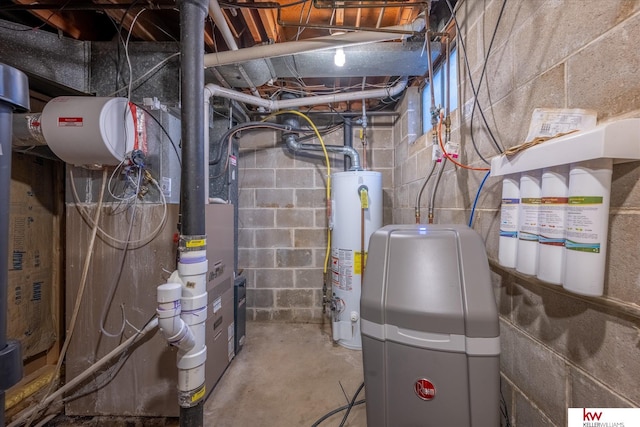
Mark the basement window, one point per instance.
(439, 81)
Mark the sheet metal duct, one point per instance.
(371, 60)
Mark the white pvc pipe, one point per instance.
(192, 268)
(310, 45)
(274, 105)
(174, 329)
(218, 18)
(87, 373)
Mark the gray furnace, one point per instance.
(430, 334)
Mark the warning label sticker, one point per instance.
(70, 121)
(342, 262)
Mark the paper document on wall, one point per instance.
(549, 122)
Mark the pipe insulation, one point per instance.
(14, 96)
(312, 45)
(286, 104)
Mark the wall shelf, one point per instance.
(618, 140)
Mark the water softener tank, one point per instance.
(430, 333)
(356, 212)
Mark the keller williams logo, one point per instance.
(590, 416)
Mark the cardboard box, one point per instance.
(31, 243)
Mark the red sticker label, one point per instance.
(424, 389)
(70, 121)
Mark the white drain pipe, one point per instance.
(174, 329)
(218, 18)
(182, 313)
(285, 104)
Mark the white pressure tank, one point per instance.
(356, 212)
(84, 130)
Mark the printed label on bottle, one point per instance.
(528, 229)
(551, 217)
(509, 218)
(584, 224)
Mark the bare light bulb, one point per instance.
(339, 58)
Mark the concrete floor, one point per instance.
(287, 375)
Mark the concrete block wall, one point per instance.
(559, 350)
(282, 218)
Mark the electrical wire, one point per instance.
(46, 22)
(148, 72)
(106, 236)
(80, 378)
(348, 407)
(336, 411)
(116, 277)
(126, 51)
(476, 102)
(351, 404)
(119, 30)
(473, 89)
(103, 378)
(504, 409)
(475, 201)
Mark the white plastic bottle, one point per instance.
(509, 210)
(551, 218)
(587, 226)
(527, 256)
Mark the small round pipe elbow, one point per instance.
(177, 333)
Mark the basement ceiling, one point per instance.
(252, 23)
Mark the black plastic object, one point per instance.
(240, 312)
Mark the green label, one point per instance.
(585, 200)
(530, 200)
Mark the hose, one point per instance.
(424, 185)
(432, 201)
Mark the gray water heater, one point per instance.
(430, 333)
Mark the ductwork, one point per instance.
(408, 58)
(221, 23)
(312, 45)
